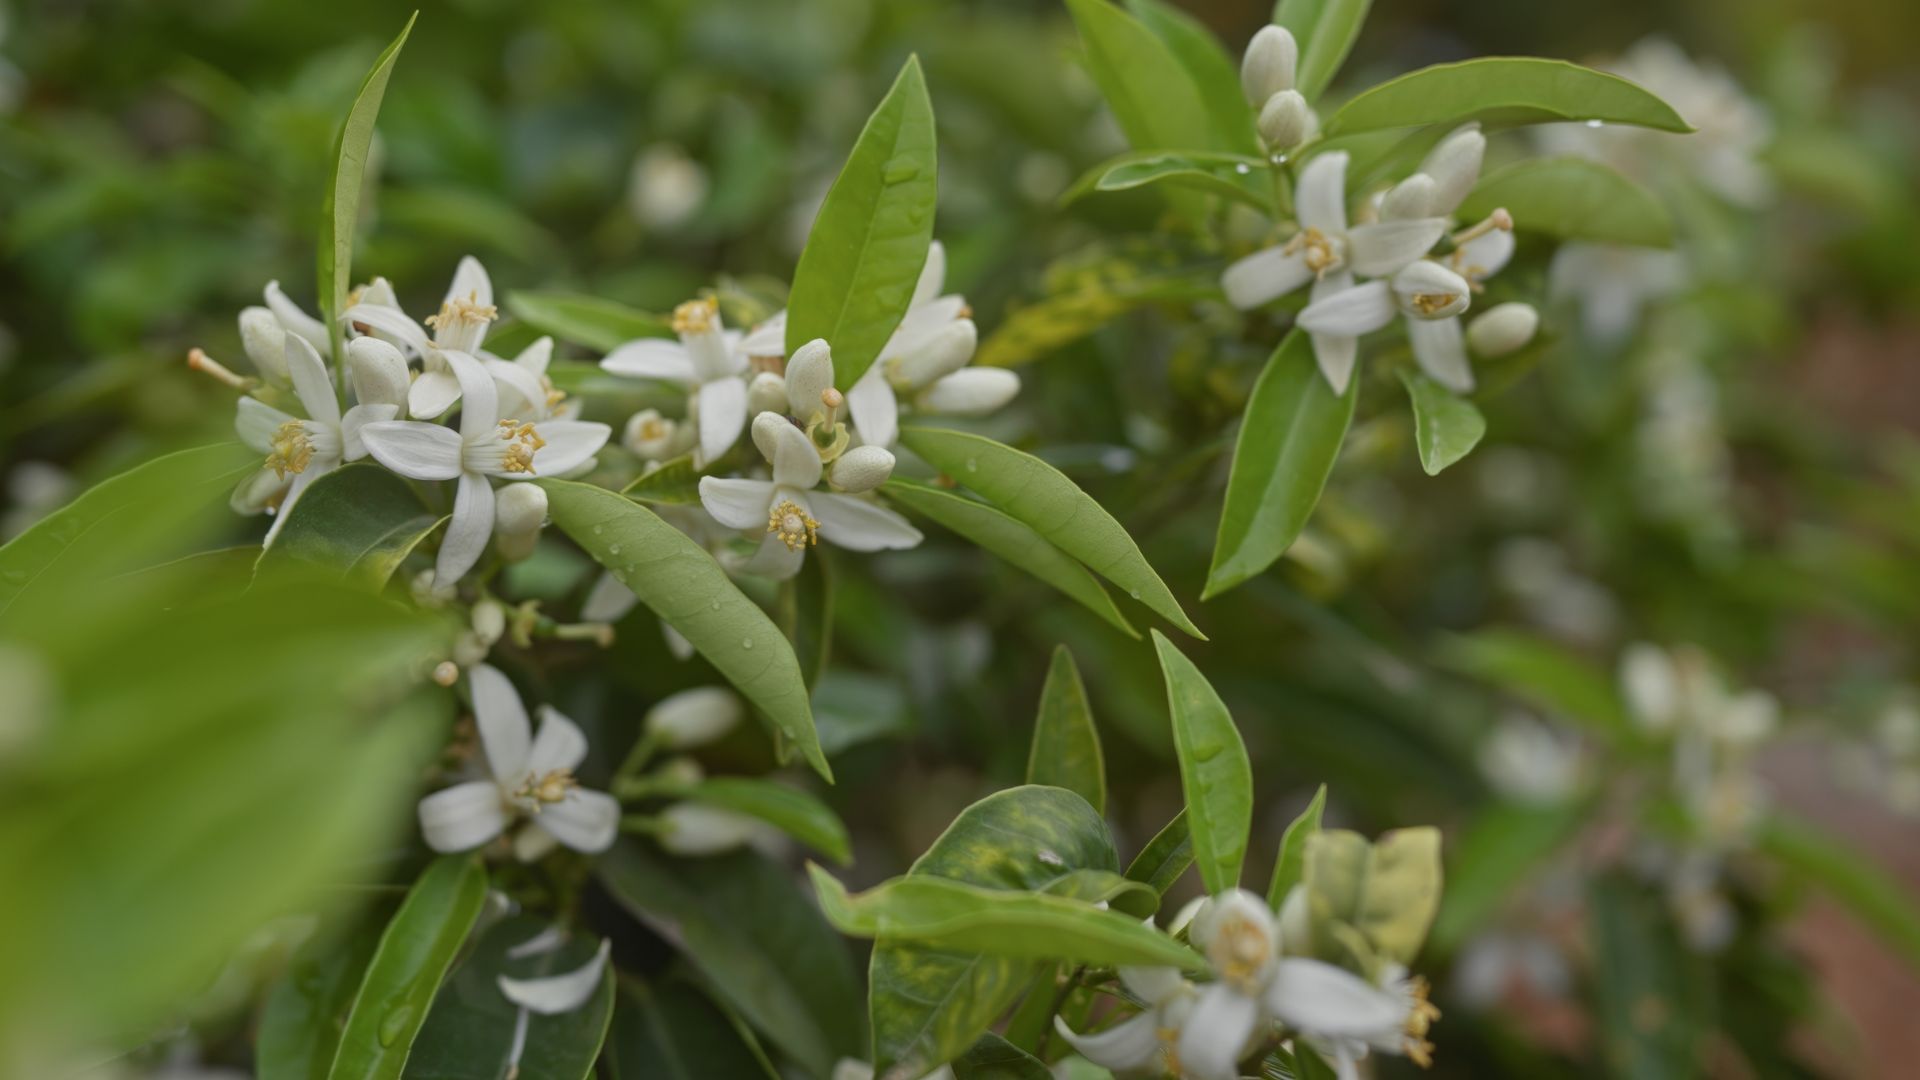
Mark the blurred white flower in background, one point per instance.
(666, 187)
(1531, 761)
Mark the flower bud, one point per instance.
(1410, 198)
(862, 468)
(518, 512)
(489, 621)
(427, 593)
(680, 771)
(1652, 687)
(1502, 329)
(1455, 167)
(809, 374)
(694, 717)
(649, 435)
(1427, 290)
(265, 343)
(766, 393)
(1286, 120)
(379, 373)
(971, 392)
(943, 352)
(1296, 923)
(1268, 66)
(690, 828)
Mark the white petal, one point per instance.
(1409, 199)
(1334, 354)
(505, 734)
(1351, 312)
(876, 413)
(608, 601)
(1485, 255)
(944, 350)
(809, 375)
(558, 993)
(1455, 167)
(292, 318)
(1132, 1043)
(432, 393)
(1441, 350)
(414, 449)
(1216, 1033)
(1379, 249)
(463, 816)
(737, 504)
(520, 394)
(651, 358)
(536, 357)
(773, 559)
(1320, 200)
(295, 487)
(586, 821)
(560, 744)
(467, 531)
(1317, 998)
(352, 447)
(470, 283)
(1263, 276)
(796, 464)
(721, 409)
(1268, 65)
(569, 443)
(479, 399)
(533, 843)
(921, 322)
(767, 339)
(971, 392)
(933, 276)
(255, 421)
(311, 382)
(253, 495)
(715, 351)
(1153, 984)
(860, 524)
(390, 322)
(378, 371)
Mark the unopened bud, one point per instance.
(1427, 290)
(379, 373)
(446, 673)
(809, 375)
(766, 393)
(694, 717)
(650, 435)
(689, 828)
(1410, 198)
(1269, 63)
(862, 468)
(1502, 329)
(942, 352)
(427, 593)
(681, 771)
(1286, 120)
(518, 512)
(973, 391)
(489, 620)
(1455, 167)
(265, 343)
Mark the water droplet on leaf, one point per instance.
(613, 549)
(972, 465)
(394, 1024)
(746, 643)
(1242, 168)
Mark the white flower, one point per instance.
(1146, 1041)
(1425, 292)
(518, 514)
(548, 995)
(1327, 252)
(665, 187)
(1242, 942)
(485, 446)
(694, 717)
(1530, 761)
(695, 829)
(532, 780)
(1503, 329)
(294, 320)
(1344, 1016)
(1611, 284)
(310, 448)
(708, 360)
(652, 437)
(525, 389)
(459, 326)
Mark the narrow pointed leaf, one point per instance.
(675, 483)
(1880, 901)
(1325, 31)
(1572, 198)
(1145, 85)
(1165, 857)
(300, 1026)
(1216, 77)
(804, 610)
(359, 521)
(1289, 867)
(670, 1031)
(595, 322)
(1235, 176)
(1066, 746)
(1446, 426)
(1504, 90)
(340, 216)
(1541, 673)
(1215, 774)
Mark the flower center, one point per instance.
(792, 525)
(1420, 1017)
(548, 788)
(1316, 250)
(1240, 953)
(463, 314)
(652, 428)
(292, 449)
(522, 442)
(695, 316)
(1432, 303)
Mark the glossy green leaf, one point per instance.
(1215, 774)
(413, 956)
(790, 810)
(1145, 85)
(870, 240)
(1503, 90)
(1234, 176)
(1018, 544)
(742, 922)
(1325, 31)
(300, 1026)
(944, 914)
(1216, 77)
(471, 1030)
(1388, 891)
(359, 521)
(680, 582)
(675, 483)
(928, 1006)
(1572, 198)
(804, 612)
(1446, 426)
(994, 1058)
(599, 324)
(1289, 868)
(340, 215)
(1165, 857)
(1041, 497)
(670, 1031)
(1494, 857)
(1542, 674)
(1066, 746)
(1879, 900)
(1285, 451)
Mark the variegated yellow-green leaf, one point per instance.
(1215, 774)
(1066, 746)
(1386, 891)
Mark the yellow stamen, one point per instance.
(468, 312)
(549, 788)
(1240, 952)
(522, 443)
(1419, 1019)
(1430, 303)
(292, 449)
(1320, 256)
(792, 525)
(695, 316)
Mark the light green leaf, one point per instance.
(599, 324)
(471, 1031)
(1234, 176)
(404, 975)
(1041, 497)
(943, 914)
(359, 521)
(790, 810)
(870, 240)
(300, 1026)
(1288, 442)
(340, 214)
(993, 530)
(1087, 303)
(1446, 426)
(1165, 857)
(1215, 774)
(1387, 891)
(804, 611)
(1151, 94)
(1325, 31)
(1880, 901)
(673, 1032)
(1066, 746)
(1216, 77)
(679, 581)
(675, 483)
(1493, 857)
(1289, 869)
(1572, 198)
(746, 927)
(1504, 90)
(1542, 674)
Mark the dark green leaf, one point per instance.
(1325, 31)
(1879, 900)
(994, 1058)
(1572, 198)
(1493, 858)
(1641, 981)
(1215, 774)
(1289, 868)
(1540, 673)
(793, 812)
(300, 1026)
(359, 521)
(804, 611)
(1066, 746)
(1446, 426)
(1165, 857)
(1504, 90)
(672, 1032)
(340, 216)
(1234, 176)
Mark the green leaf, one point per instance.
(599, 324)
(988, 527)
(679, 581)
(1572, 198)
(471, 1030)
(675, 483)
(1235, 176)
(1542, 674)
(867, 246)
(1387, 890)
(1066, 746)
(359, 521)
(929, 1006)
(1493, 857)
(340, 215)
(300, 1026)
(675, 1033)
(1215, 774)
(1086, 303)
(745, 926)
(1216, 77)
(1641, 985)
(1446, 426)
(1150, 92)
(1282, 457)
(1289, 869)
(1165, 857)
(1325, 30)
(1041, 497)
(1503, 90)
(994, 1058)
(404, 975)
(944, 914)
(1880, 901)
(793, 812)
(804, 611)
